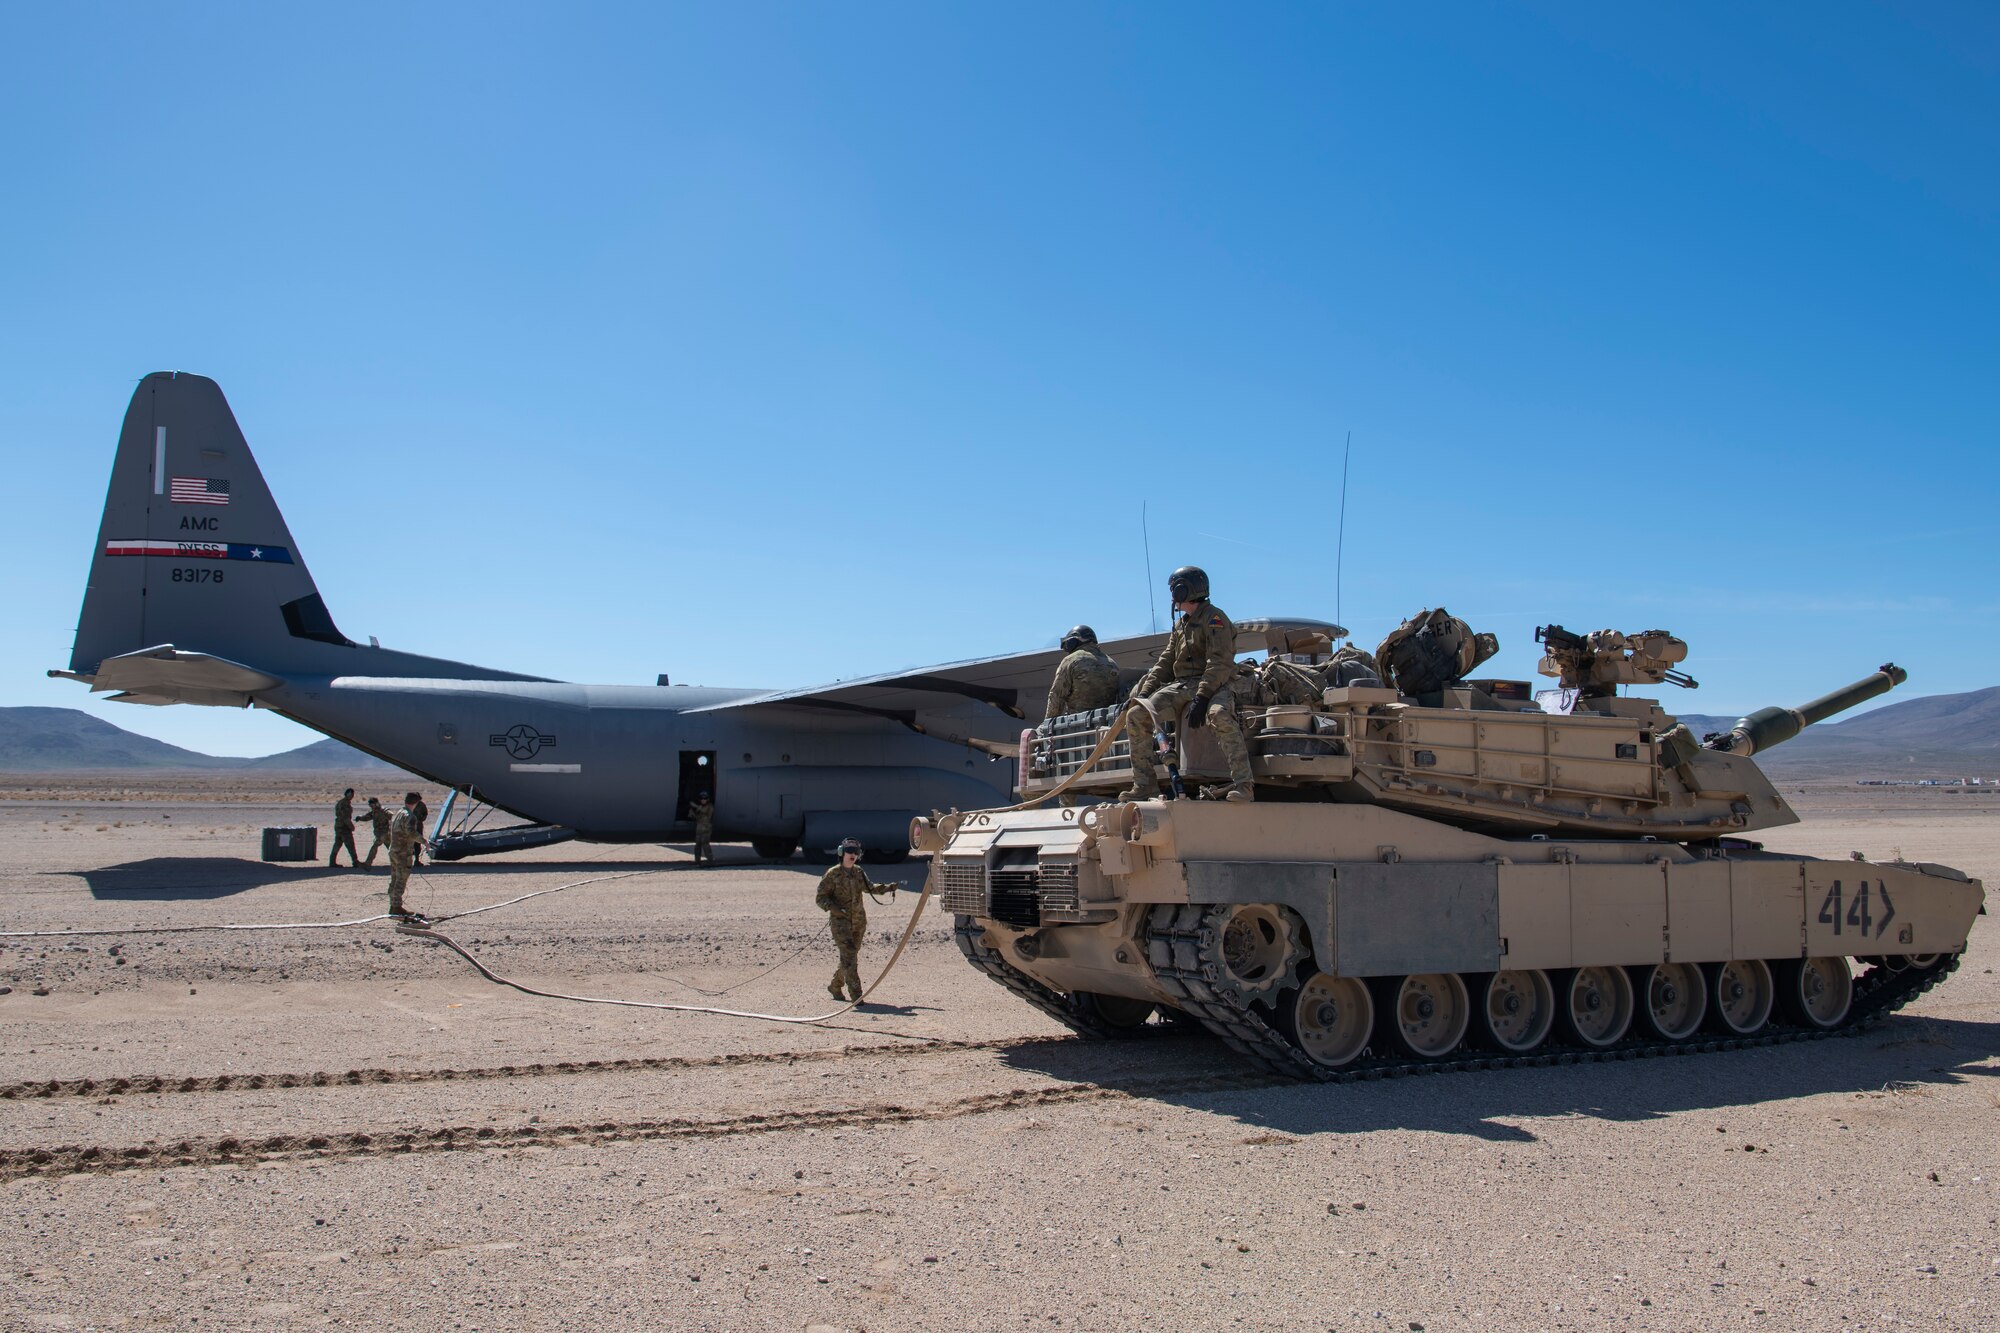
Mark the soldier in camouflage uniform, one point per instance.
(420, 814)
(403, 837)
(1086, 679)
(703, 811)
(378, 819)
(840, 897)
(1193, 673)
(343, 830)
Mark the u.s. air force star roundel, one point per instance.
(522, 741)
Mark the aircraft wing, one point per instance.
(1015, 685)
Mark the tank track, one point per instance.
(1056, 1004)
(1182, 944)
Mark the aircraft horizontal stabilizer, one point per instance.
(168, 675)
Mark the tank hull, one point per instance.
(1281, 914)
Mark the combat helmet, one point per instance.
(1078, 637)
(848, 845)
(1188, 584)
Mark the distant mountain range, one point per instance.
(1938, 735)
(67, 740)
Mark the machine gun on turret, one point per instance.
(1596, 664)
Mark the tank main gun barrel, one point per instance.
(1774, 726)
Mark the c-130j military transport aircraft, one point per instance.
(199, 595)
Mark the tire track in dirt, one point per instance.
(74, 1159)
(115, 1085)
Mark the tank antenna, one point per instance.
(1340, 542)
(1146, 536)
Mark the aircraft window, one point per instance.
(307, 618)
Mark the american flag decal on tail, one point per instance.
(198, 491)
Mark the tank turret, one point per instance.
(1774, 726)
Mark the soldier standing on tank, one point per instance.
(840, 897)
(1086, 679)
(403, 836)
(378, 819)
(1193, 673)
(343, 830)
(703, 811)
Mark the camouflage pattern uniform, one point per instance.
(1200, 658)
(343, 831)
(378, 818)
(419, 815)
(402, 851)
(704, 829)
(840, 897)
(1086, 679)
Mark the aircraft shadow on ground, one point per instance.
(1903, 1055)
(190, 878)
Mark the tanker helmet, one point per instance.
(1188, 584)
(850, 845)
(1078, 637)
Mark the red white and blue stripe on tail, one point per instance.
(269, 555)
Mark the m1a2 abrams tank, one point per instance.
(1443, 872)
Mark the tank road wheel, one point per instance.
(1817, 991)
(1739, 996)
(1596, 1005)
(1425, 1014)
(1116, 1015)
(1672, 1000)
(1513, 1011)
(1332, 1018)
(773, 849)
(1922, 962)
(1261, 944)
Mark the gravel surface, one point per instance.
(350, 1128)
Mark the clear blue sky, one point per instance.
(770, 344)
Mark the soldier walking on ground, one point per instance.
(840, 897)
(403, 835)
(378, 819)
(703, 811)
(343, 830)
(1192, 674)
(1086, 679)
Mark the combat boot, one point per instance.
(1240, 791)
(835, 991)
(1145, 786)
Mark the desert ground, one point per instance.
(347, 1127)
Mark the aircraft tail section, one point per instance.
(193, 555)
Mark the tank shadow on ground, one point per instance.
(1909, 1052)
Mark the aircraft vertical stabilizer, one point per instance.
(192, 550)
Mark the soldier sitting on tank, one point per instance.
(1193, 675)
(1086, 679)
